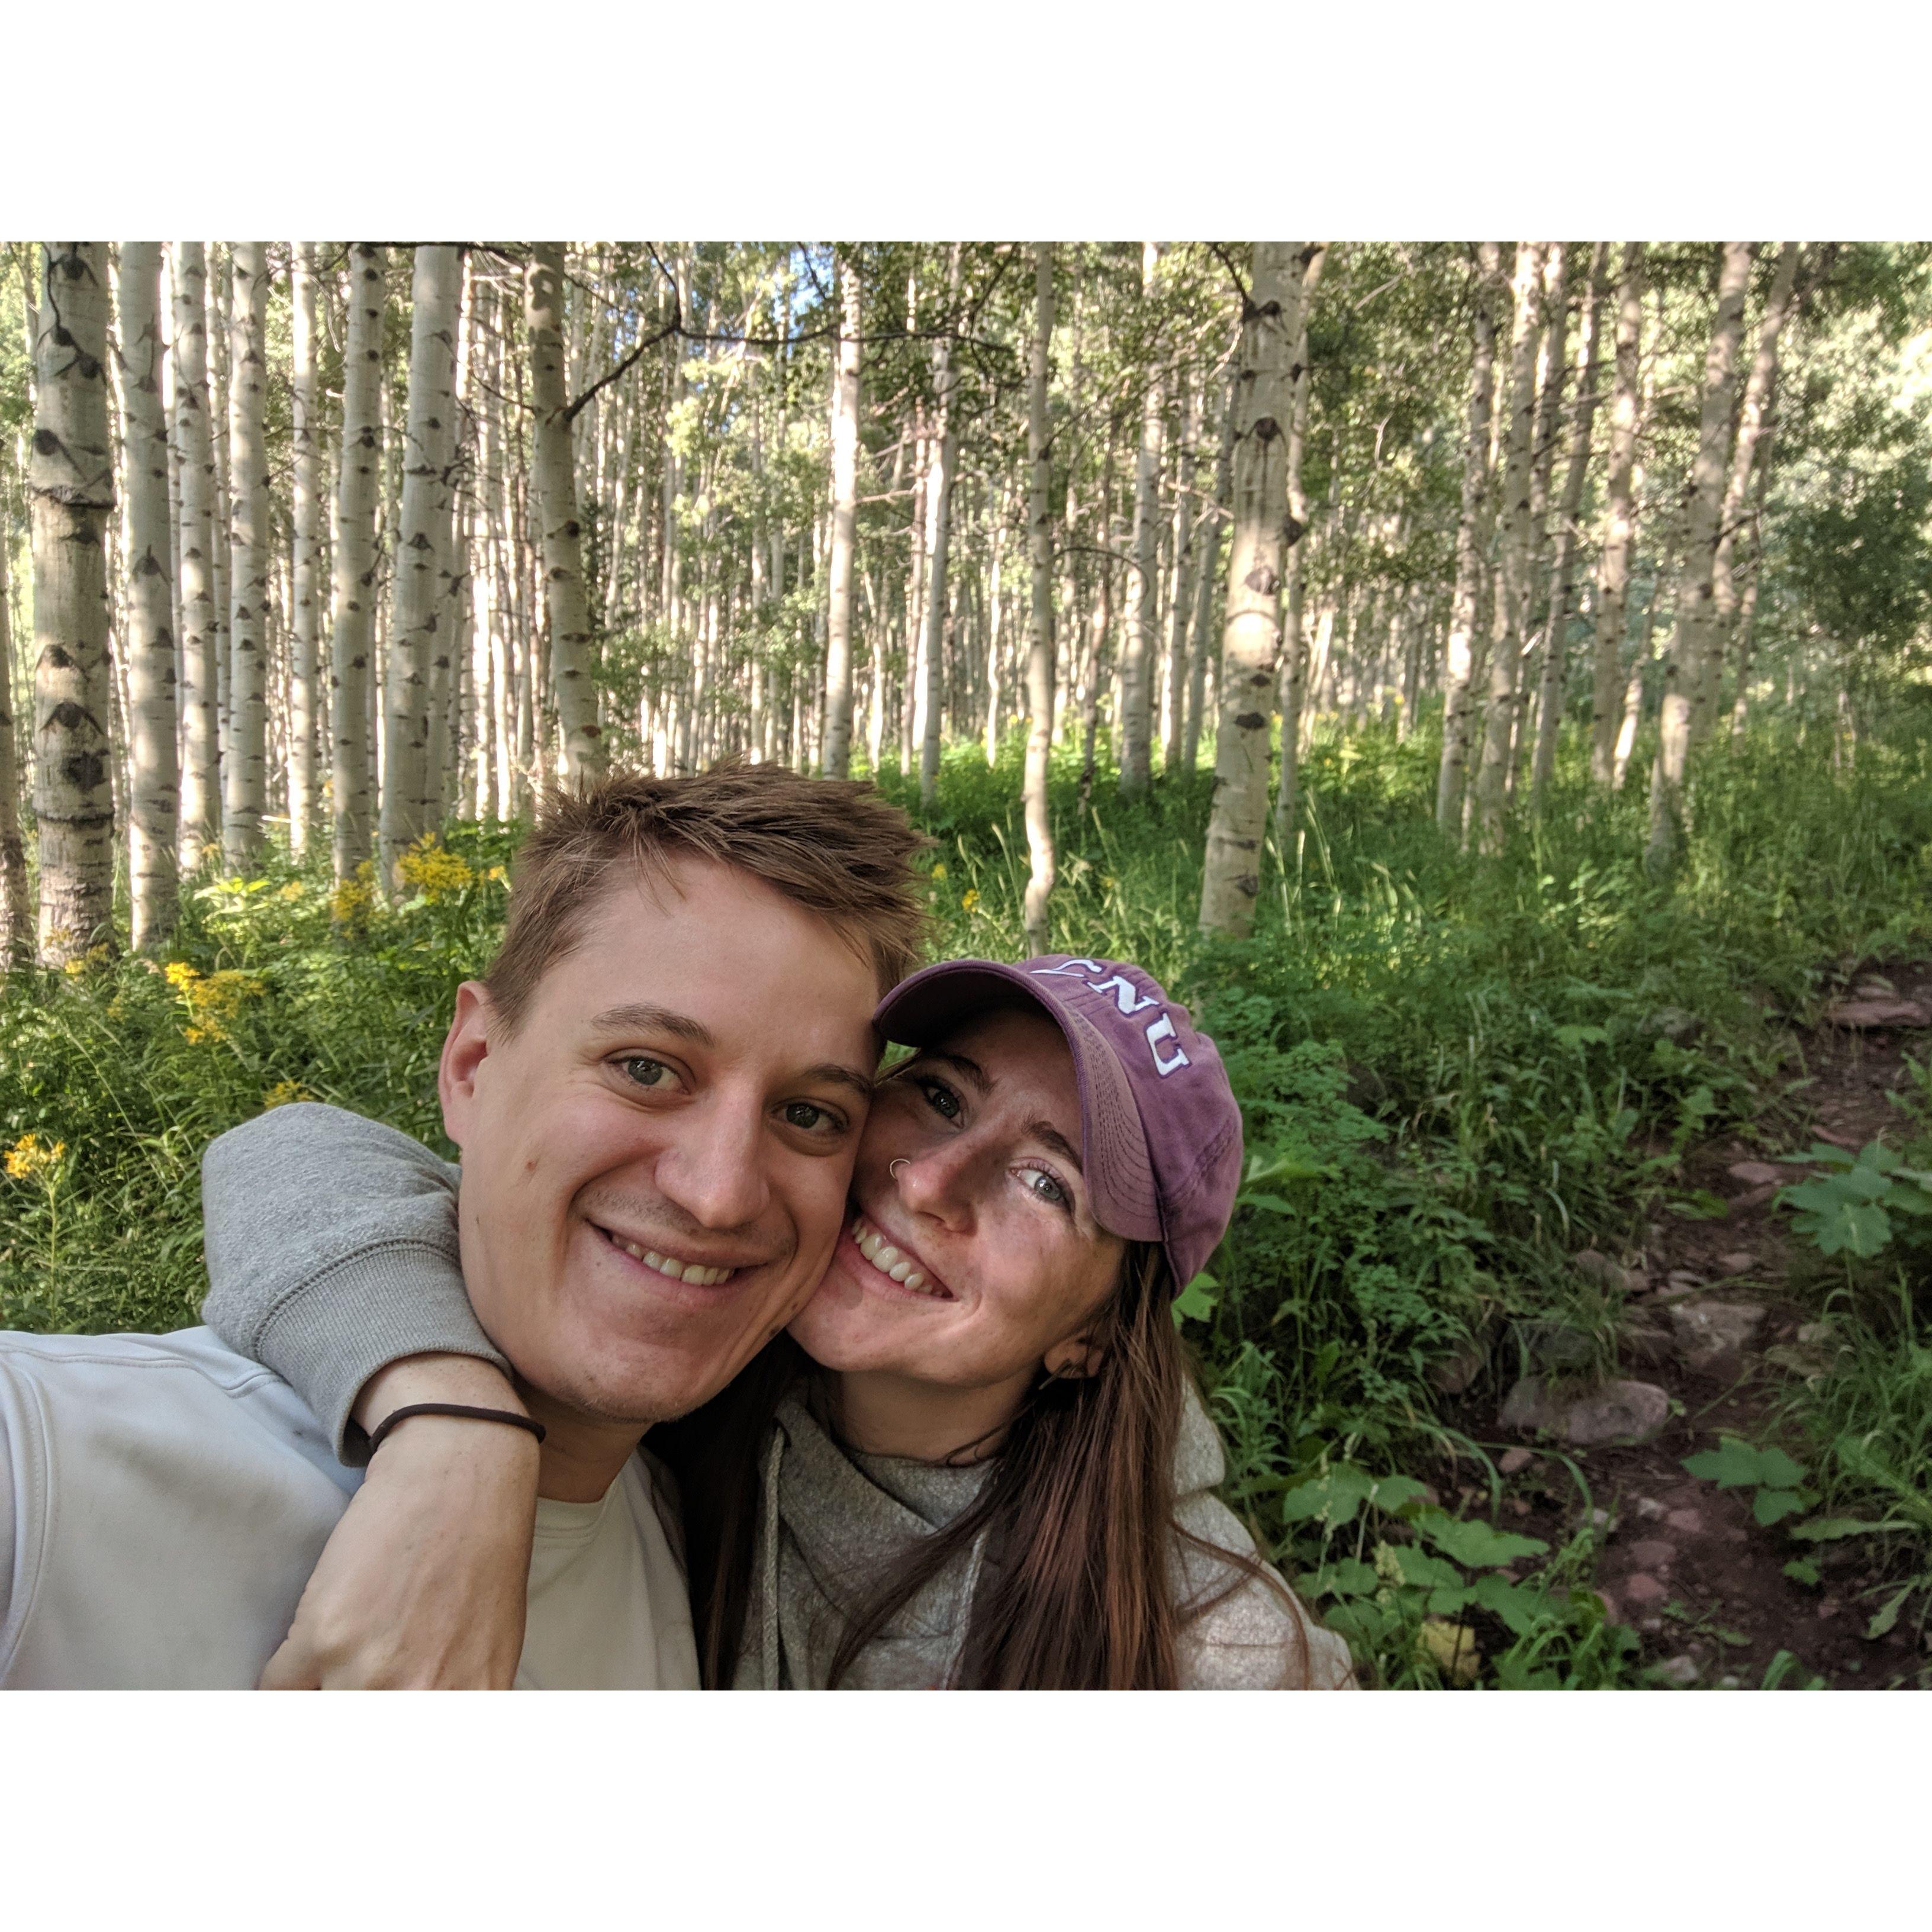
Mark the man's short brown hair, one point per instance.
(834, 846)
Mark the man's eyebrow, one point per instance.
(646, 1019)
(833, 1073)
(1050, 1136)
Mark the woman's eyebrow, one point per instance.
(1050, 1137)
(970, 1071)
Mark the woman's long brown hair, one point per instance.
(1078, 1590)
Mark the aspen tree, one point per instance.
(844, 513)
(70, 497)
(1039, 678)
(1702, 502)
(305, 625)
(357, 491)
(200, 824)
(416, 599)
(1512, 598)
(1472, 544)
(1207, 580)
(944, 443)
(1270, 328)
(16, 910)
(244, 778)
(1188, 524)
(1613, 566)
(221, 306)
(1295, 644)
(1753, 433)
(1137, 645)
(1556, 633)
(155, 795)
(1748, 601)
(571, 656)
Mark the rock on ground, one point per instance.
(1617, 1412)
(1868, 1015)
(1707, 1331)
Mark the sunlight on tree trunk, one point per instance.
(245, 774)
(1137, 649)
(1040, 635)
(201, 789)
(1295, 644)
(1613, 567)
(305, 618)
(1271, 327)
(838, 761)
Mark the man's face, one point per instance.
(683, 1099)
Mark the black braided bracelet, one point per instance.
(381, 1431)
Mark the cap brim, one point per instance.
(1115, 1164)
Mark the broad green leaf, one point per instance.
(1271, 1203)
(1774, 1505)
(1889, 1616)
(1475, 1542)
(1731, 1465)
(1196, 1302)
(1426, 1572)
(1393, 1494)
(1581, 1035)
(1445, 1602)
(1347, 1576)
(1519, 1608)
(1802, 1569)
(1333, 1499)
(1830, 1529)
(1777, 1468)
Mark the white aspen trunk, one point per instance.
(994, 669)
(200, 825)
(1747, 602)
(244, 778)
(357, 497)
(148, 639)
(571, 657)
(1294, 648)
(938, 549)
(1641, 659)
(1512, 554)
(305, 625)
(1185, 560)
(1753, 420)
(1472, 546)
(70, 499)
(1271, 328)
(1556, 634)
(416, 599)
(1702, 503)
(837, 763)
(16, 917)
(1040, 634)
(1207, 577)
(221, 307)
(1613, 568)
(1553, 372)
(1135, 732)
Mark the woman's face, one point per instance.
(986, 1221)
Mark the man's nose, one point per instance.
(713, 1167)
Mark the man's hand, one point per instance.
(424, 1583)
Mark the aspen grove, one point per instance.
(1492, 682)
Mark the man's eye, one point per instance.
(650, 1073)
(811, 1118)
(940, 1098)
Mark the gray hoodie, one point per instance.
(332, 1251)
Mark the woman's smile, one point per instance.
(883, 1264)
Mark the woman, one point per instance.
(979, 1458)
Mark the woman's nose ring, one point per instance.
(892, 1167)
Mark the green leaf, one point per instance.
(1802, 1569)
(1732, 1465)
(1475, 1543)
(1272, 1204)
(1444, 1601)
(1197, 1301)
(1776, 1468)
(1393, 1494)
(1333, 1499)
(1889, 1616)
(1830, 1529)
(1426, 1572)
(1774, 1505)
(1522, 1609)
(1583, 1036)
(1347, 1576)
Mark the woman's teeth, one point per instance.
(888, 1260)
(691, 1271)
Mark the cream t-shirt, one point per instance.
(163, 1500)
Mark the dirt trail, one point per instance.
(1684, 1565)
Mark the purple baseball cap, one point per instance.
(1160, 1133)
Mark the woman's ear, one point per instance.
(1079, 1356)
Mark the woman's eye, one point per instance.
(940, 1098)
(653, 1074)
(811, 1118)
(1049, 1190)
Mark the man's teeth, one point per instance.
(690, 1271)
(888, 1260)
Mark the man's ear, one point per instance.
(1078, 1357)
(465, 1048)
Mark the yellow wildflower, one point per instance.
(291, 892)
(352, 899)
(180, 974)
(284, 1091)
(435, 871)
(939, 871)
(30, 1157)
(968, 900)
(212, 1001)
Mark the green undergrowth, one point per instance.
(1455, 1073)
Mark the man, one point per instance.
(658, 1090)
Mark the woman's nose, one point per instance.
(939, 1181)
